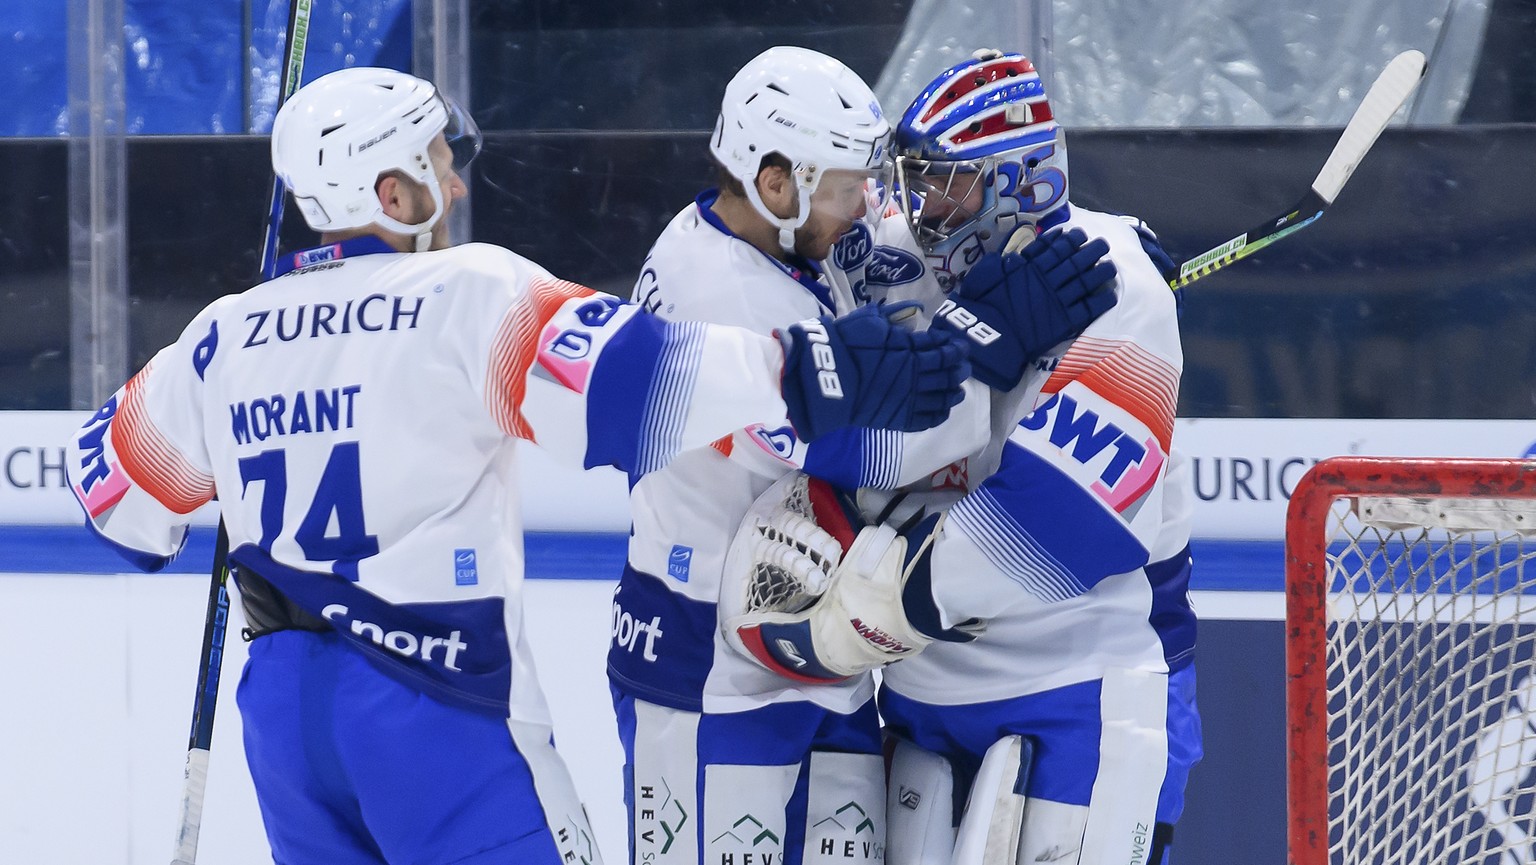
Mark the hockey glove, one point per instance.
(859, 623)
(1010, 309)
(864, 370)
(1166, 266)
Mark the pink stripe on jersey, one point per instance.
(150, 460)
(1127, 375)
(516, 345)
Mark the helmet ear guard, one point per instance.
(337, 135)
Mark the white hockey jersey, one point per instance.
(359, 418)
(1075, 551)
(666, 646)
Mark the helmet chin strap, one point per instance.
(420, 232)
(786, 225)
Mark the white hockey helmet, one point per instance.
(810, 109)
(979, 156)
(333, 138)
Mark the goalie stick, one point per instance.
(210, 664)
(1390, 90)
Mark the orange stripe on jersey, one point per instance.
(724, 444)
(516, 345)
(150, 460)
(1127, 375)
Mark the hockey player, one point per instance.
(358, 419)
(727, 762)
(1066, 730)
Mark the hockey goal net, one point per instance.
(1410, 627)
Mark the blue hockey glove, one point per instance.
(1166, 266)
(864, 370)
(1011, 308)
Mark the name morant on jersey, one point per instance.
(376, 312)
(317, 410)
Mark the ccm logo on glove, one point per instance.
(826, 365)
(966, 322)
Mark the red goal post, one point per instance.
(1411, 674)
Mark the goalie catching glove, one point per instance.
(824, 600)
(1010, 309)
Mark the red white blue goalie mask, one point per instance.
(979, 156)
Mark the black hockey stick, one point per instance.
(1390, 90)
(195, 777)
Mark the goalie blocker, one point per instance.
(815, 595)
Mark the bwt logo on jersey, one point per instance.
(853, 247)
(314, 256)
(1131, 466)
(891, 266)
(101, 484)
(402, 643)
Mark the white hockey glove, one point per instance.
(858, 623)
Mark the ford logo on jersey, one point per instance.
(892, 266)
(853, 247)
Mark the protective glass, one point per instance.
(942, 198)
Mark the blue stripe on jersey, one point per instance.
(1012, 550)
(636, 383)
(147, 562)
(662, 644)
(1039, 526)
(882, 458)
(456, 651)
(852, 457)
(1172, 617)
(670, 394)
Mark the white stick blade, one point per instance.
(1386, 95)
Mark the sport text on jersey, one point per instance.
(376, 312)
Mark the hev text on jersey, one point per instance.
(373, 313)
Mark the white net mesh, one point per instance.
(771, 586)
(1431, 628)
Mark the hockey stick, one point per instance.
(1386, 95)
(293, 69)
(210, 665)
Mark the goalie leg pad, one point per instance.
(845, 809)
(919, 809)
(994, 812)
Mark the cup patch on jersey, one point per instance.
(465, 573)
(679, 562)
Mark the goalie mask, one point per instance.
(813, 111)
(337, 134)
(979, 156)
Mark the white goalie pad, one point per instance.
(920, 808)
(809, 612)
